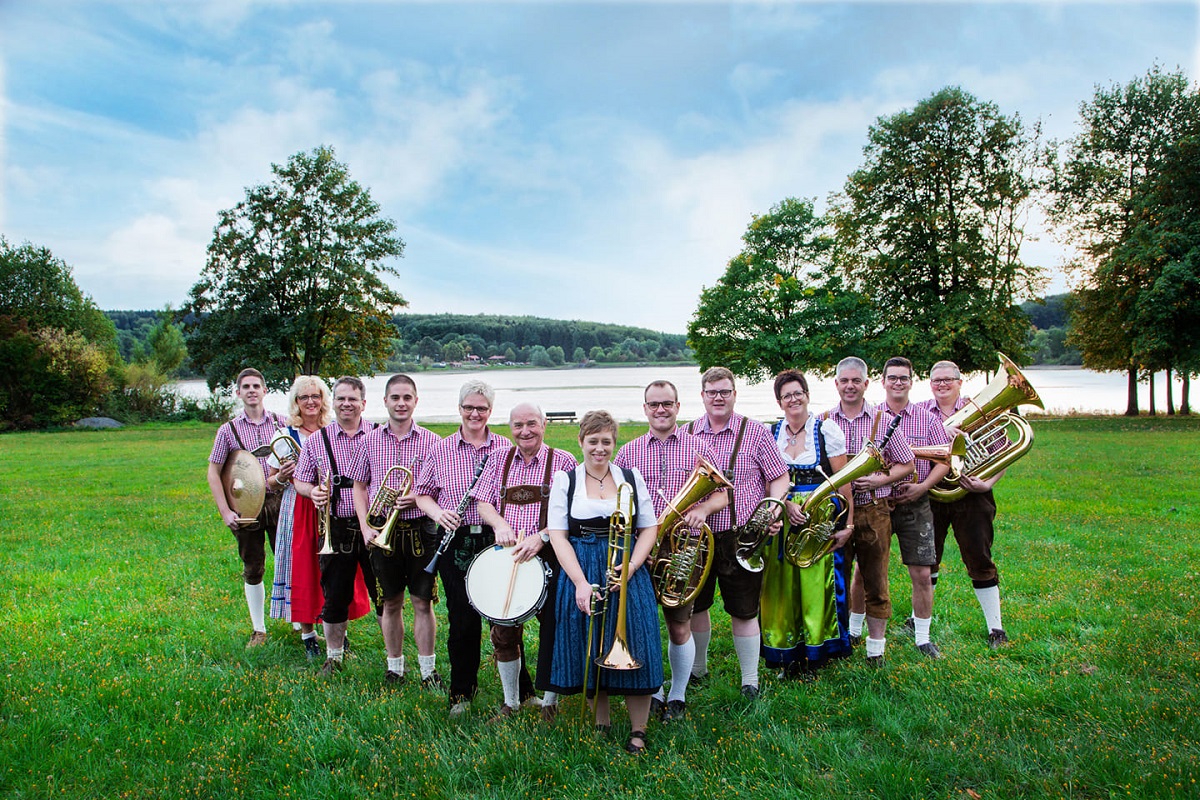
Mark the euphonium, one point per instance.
(324, 526)
(620, 536)
(753, 536)
(996, 435)
(384, 506)
(683, 556)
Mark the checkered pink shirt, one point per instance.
(253, 434)
(532, 472)
(758, 463)
(922, 428)
(858, 429)
(314, 460)
(665, 464)
(382, 450)
(450, 468)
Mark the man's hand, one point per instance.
(527, 547)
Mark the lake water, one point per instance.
(619, 391)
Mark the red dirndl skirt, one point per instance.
(307, 598)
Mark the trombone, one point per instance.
(384, 509)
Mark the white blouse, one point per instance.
(585, 507)
(831, 432)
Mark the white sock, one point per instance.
(875, 647)
(659, 696)
(549, 698)
(747, 648)
(921, 628)
(309, 635)
(256, 595)
(856, 623)
(334, 655)
(396, 664)
(700, 659)
(989, 601)
(681, 657)
(428, 664)
(510, 681)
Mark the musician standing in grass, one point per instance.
(401, 442)
(329, 453)
(249, 430)
(441, 489)
(745, 450)
(513, 497)
(665, 456)
(871, 541)
(972, 517)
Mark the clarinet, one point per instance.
(448, 535)
(887, 436)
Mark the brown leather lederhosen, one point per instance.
(526, 493)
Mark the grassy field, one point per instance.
(125, 673)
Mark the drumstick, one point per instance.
(512, 581)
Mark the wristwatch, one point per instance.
(545, 536)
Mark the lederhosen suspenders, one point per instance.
(729, 472)
(274, 420)
(526, 493)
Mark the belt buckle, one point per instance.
(476, 529)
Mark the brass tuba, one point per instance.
(952, 454)
(996, 435)
(683, 556)
(383, 508)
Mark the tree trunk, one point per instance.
(1131, 400)
(1170, 394)
(1153, 410)
(1184, 403)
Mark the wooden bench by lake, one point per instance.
(560, 416)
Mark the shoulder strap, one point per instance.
(627, 474)
(545, 509)
(875, 424)
(236, 438)
(333, 469)
(570, 493)
(737, 446)
(822, 455)
(504, 476)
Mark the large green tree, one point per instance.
(1104, 201)
(779, 303)
(931, 228)
(294, 282)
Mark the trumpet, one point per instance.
(683, 556)
(753, 536)
(384, 509)
(324, 526)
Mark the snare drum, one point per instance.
(503, 591)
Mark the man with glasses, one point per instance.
(746, 451)
(972, 517)
(441, 491)
(912, 517)
(666, 457)
(870, 544)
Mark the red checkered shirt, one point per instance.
(665, 464)
(450, 468)
(253, 434)
(382, 450)
(314, 460)
(522, 472)
(758, 463)
(858, 429)
(921, 429)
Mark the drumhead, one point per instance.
(488, 580)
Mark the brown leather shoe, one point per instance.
(330, 666)
(549, 713)
(257, 639)
(505, 712)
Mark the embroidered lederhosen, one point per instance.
(526, 493)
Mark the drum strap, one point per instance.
(274, 421)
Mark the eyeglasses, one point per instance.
(898, 379)
(475, 409)
(309, 398)
(654, 405)
(790, 396)
(713, 394)
(943, 381)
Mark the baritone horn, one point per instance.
(384, 512)
(996, 435)
(682, 555)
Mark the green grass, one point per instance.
(125, 673)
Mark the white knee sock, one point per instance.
(921, 629)
(428, 664)
(856, 623)
(256, 595)
(510, 681)
(681, 657)
(875, 647)
(989, 601)
(746, 648)
(700, 658)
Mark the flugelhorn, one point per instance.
(282, 446)
(324, 521)
(996, 435)
(754, 535)
(385, 509)
(682, 555)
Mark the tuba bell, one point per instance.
(683, 556)
(996, 435)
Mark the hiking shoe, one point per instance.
(257, 639)
(393, 677)
(750, 692)
(676, 709)
(331, 666)
(433, 682)
(997, 638)
(657, 708)
(875, 662)
(549, 713)
(855, 641)
(505, 712)
(930, 649)
(460, 708)
(909, 626)
(312, 649)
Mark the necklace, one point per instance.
(791, 437)
(599, 481)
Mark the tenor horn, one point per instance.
(754, 535)
(996, 435)
(682, 555)
(384, 509)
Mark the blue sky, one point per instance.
(578, 160)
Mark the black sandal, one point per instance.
(601, 731)
(636, 749)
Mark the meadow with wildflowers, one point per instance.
(126, 674)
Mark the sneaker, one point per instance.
(750, 692)
(909, 626)
(657, 708)
(505, 712)
(312, 649)
(395, 678)
(433, 682)
(460, 708)
(875, 662)
(330, 666)
(676, 709)
(257, 639)
(549, 713)
(997, 638)
(930, 649)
